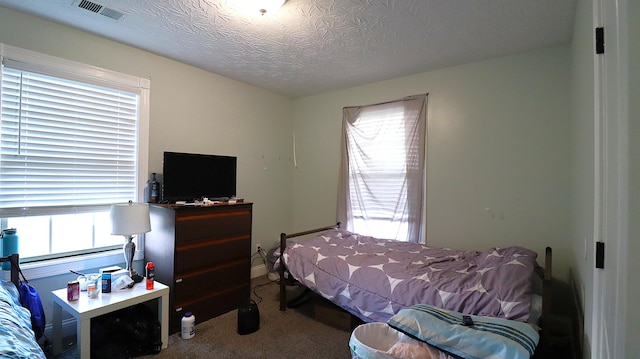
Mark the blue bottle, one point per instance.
(9, 245)
(106, 282)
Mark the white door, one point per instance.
(611, 181)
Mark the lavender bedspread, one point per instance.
(375, 278)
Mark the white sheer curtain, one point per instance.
(382, 175)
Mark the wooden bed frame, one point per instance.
(14, 259)
(281, 268)
(547, 278)
(547, 289)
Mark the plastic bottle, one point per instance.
(188, 326)
(9, 245)
(106, 282)
(154, 189)
(151, 274)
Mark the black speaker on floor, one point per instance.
(248, 318)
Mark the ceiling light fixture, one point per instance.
(268, 6)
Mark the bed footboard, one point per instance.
(281, 269)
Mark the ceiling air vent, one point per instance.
(100, 9)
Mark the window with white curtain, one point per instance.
(382, 182)
(73, 141)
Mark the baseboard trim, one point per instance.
(68, 334)
(259, 270)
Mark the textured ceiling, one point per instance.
(313, 46)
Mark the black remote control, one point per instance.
(467, 321)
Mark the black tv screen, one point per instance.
(190, 176)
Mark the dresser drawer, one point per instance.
(209, 307)
(195, 255)
(204, 283)
(200, 225)
(204, 255)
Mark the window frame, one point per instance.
(412, 201)
(76, 71)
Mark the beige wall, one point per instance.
(583, 186)
(191, 111)
(498, 152)
(632, 344)
(582, 144)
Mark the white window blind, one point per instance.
(66, 146)
(382, 176)
(377, 163)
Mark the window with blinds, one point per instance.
(69, 148)
(382, 179)
(376, 144)
(65, 143)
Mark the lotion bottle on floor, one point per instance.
(188, 326)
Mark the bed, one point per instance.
(376, 280)
(17, 339)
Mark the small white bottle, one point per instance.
(188, 326)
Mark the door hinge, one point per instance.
(599, 40)
(600, 255)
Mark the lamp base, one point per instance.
(129, 250)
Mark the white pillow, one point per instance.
(486, 338)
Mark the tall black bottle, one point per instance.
(153, 186)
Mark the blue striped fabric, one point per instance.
(16, 336)
(487, 338)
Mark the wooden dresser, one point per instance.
(203, 255)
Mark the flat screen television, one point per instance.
(190, 176)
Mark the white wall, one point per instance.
(583, 170)
(582, 143)
(498, 139)
(632, 344)
(191, 111)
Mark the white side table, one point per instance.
(86, 308)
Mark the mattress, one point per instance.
(375, 278)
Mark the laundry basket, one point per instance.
(373, 340)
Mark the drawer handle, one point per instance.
(179, 280)
(179, 309)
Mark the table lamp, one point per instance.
(128, 219)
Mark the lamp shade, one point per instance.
(130, 218)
